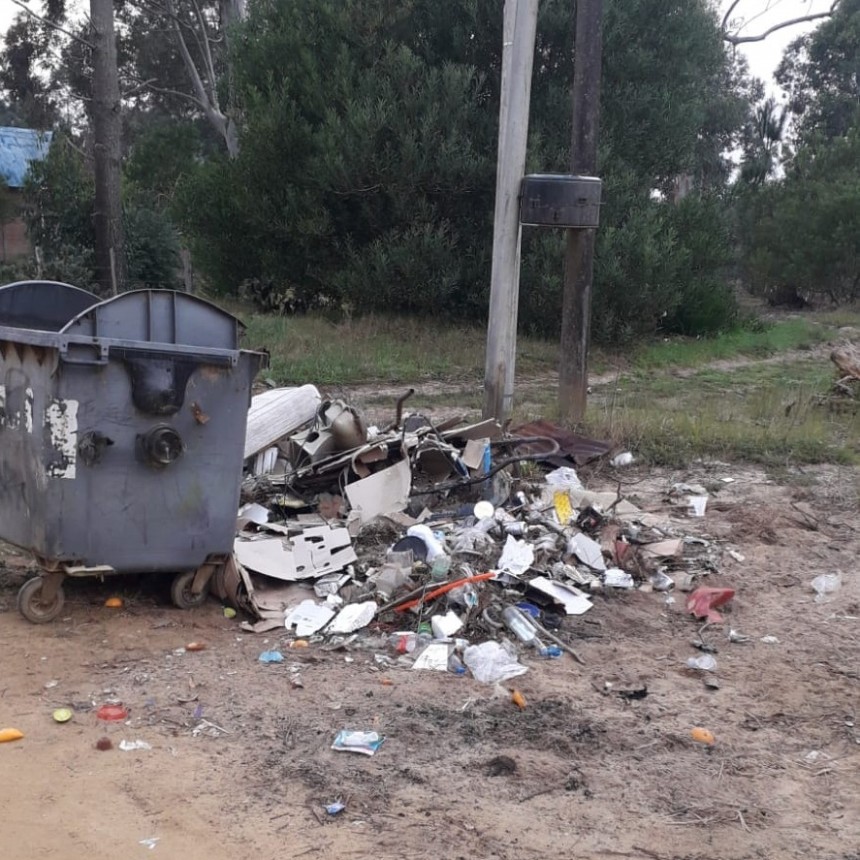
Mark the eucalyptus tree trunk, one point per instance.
(107, 129)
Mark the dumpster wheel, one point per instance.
(33, 607)
(183, 596)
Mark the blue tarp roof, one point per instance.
(18, 147)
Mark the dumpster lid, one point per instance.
(159, 316)
(42, 305)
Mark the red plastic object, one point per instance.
(704, 600)
(112, 713)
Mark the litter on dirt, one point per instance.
(363, 743)
(704, 601)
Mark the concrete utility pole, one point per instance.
(517, 60)
(579, 254)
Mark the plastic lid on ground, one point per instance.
(112, 713)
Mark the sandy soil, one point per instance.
(462, 773)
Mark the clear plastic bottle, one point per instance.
(455, 664)
(705, 663)
(405, 642)
(518, 623)
(465, 596)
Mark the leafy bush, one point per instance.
(60, 195)
(366, 176)
(658, 270)
(801, 235)
(151, 249)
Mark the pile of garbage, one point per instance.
(456, 547)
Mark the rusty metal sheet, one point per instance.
(572, 446)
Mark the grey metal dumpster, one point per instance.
(121, 435)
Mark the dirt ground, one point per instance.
(241, 763)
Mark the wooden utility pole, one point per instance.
(579, 253)
(107, 126)
(518, 50)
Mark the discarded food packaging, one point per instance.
(703, 602)
(703, 736)
(112, 713)
(7, 735)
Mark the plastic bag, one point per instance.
(517, 556)
(705, 663)
(473, 539)
(824, 584)
(564, 478)
(364, 743)
(491, 663)
(704, 601)
(433, 544)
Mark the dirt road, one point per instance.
(240, 763)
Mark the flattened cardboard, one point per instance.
(473, 453)
(353, 617)
(588, 551)
(254, 513)
(574, 601)
(314, 552)
(308, 617)
(664, 549)
(273, 599)
(384, 492)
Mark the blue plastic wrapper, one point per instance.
(271, 657)
(529, 609)
(335, 808)
(365, 743)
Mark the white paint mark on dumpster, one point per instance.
(61, 418)
(28, 410)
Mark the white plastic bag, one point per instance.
(491, 662)
(825, 584)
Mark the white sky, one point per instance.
(763, 56)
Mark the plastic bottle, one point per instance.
(706, 663)
(425, 635)
(405, 642)
(465, 596)
(518, 623)
(390, 578)
(455, 664)
(550, 651)
(439, 568)
(826, 583)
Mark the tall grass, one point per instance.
(659, 405)
(771, 414)
(757, 342)
(373, 348)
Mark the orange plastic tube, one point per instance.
(443, 589)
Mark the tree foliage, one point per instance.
(799, 233)
(59, 194)
(31, 91)
(820, 73)
(802, 234)
(365, 178)
(367, 169)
